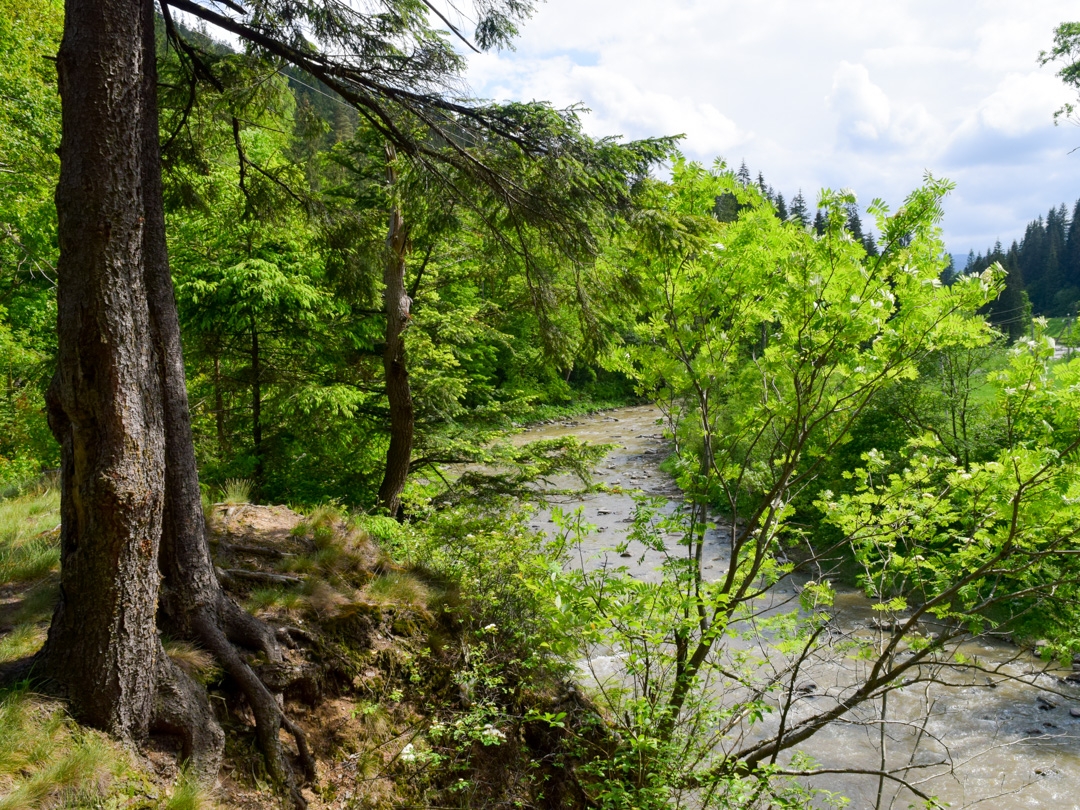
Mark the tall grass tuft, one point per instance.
(399, 587)
(236, 491)
(22, 642)
(289, 601)
(29, 546)
(321, 524)
(189, 795)
(48, 761)
(197, 663)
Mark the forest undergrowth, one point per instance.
(424, 673)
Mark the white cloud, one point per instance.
(618, 104)
(642, 112)
(815, 93)
(863, 107)
(903, 56)
(1021, 103)
(868, 119)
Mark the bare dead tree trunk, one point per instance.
(256, 406)
(219, 406)
(397, 304)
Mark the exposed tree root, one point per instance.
(225, 547)
(219, 638)
(228, 575)
(182, 708)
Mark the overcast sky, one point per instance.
(862, 94)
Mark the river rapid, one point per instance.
(1012, 739)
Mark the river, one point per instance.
(1012, 740)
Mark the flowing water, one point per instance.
(1013, 738)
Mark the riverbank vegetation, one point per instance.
(371, 298)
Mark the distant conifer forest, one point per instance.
(1043, 271)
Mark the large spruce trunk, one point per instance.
(105, 401)
(130, 505)
(193, 604)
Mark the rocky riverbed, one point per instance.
(1011, 739)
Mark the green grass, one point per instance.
(276, 599)
(189, 795)
(29, 560)
(400, 588)
(22, 642)
(29, 549)
(46, 760)
(580, 405)
(236, 491)
(321, 525)
(49, 761)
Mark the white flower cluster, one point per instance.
(491, 735)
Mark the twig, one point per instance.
(257, 576)
(261, 550)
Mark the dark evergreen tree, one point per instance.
(798, 210)
(1070, 269)
(855, 228)
(743, 175)
(727, 207)
(1048, 259)
(949, 273)
(1032, 258)
(819, 223)
(1013, 308)
(1011, 311)
(781, 207)
(870, 244)
(854, 223)
(1060, 297)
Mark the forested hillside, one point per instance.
(1043, 270)
(272, 319)
(277, 204)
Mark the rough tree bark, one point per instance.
(130, 500)
(397, 304)
(105, 403)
